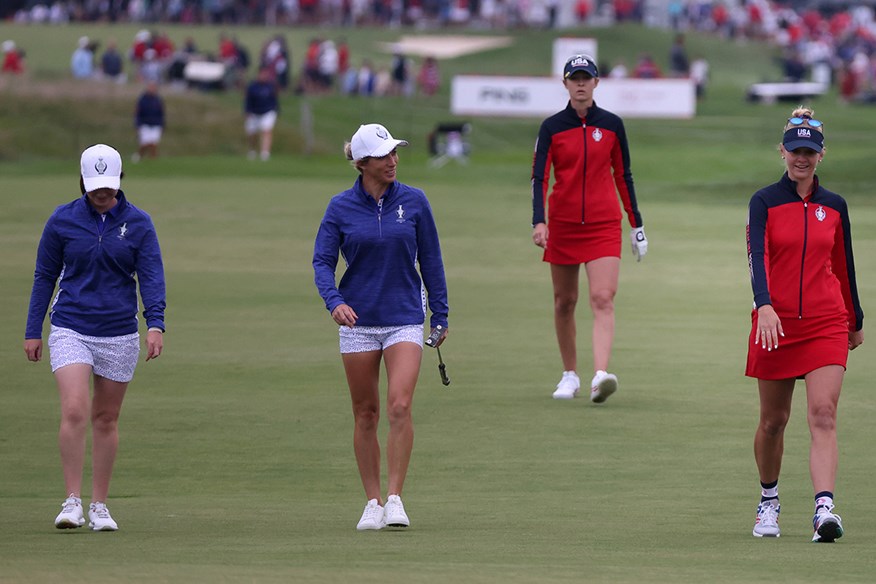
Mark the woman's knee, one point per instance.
(399, 410)
(367, 416)
(602, 300)
(774, 425)
(823, 417)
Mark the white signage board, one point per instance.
(566, 47)
(473, 95)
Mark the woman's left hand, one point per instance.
(154, 344)
(855, 339)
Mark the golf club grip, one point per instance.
(443, 371)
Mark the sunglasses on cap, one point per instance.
(798, 121)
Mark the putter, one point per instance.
(432, 342)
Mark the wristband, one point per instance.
(155, 329)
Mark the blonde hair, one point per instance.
(348, 154)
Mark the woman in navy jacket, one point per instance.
(587, 148)
(383, 229)
(97, 249)
(806, 318)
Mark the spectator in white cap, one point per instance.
(383, 228)
(97, 249)
(13, 58)
(82, 61)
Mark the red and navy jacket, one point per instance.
(591, 161)
(800, 253)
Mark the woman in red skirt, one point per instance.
(805, 320)
(587, 148)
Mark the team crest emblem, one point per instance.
(597, 134)
(820, 214)
(123, 230)
(382, 133)
(100, 166)
(400, 213)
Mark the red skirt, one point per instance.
(576, 243)
(808, 344)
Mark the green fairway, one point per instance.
(236, 460)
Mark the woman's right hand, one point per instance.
(344, 315)
(33, 348)
(540, 235)
(769, 328)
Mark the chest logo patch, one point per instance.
(820, 214)
(400, 215)
(597, 134)
(123, 231)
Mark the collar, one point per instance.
(791, 185)
(120, 205)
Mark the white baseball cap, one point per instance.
(373, 140)
(101, 167)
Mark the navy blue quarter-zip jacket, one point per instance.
(381, 243)
(97, 264)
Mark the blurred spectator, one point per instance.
(582, 10)
(429, 78)
(646, 68)
(142, 41)
(13, 58)
(149, 119)
(309, 81)
(261, 107)
(343, 56)
(111, 64)
(619, 71)
(793, 67)
(328, 65)
(401, 75)
(82, 60)
(699, 72)
(678, 63)
(275, 56)
(150, 68)
(190, 47)
(366, 79)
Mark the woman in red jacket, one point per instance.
(587, 148)
(805, 320)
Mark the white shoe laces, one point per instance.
(100, 510)
(372, 511)
(769, 516)
(70, 505)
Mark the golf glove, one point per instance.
(640, 242)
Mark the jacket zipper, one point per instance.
(380, 217)
(584, 171)
(803, 258)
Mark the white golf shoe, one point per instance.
(766, 522)
(568, 386)
(828, 525)
(372, 517)
(71, 515)
(99, 518)
(394, 514)
(602, 386)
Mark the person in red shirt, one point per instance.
(587, 148)
(806, 318)
(12, 58)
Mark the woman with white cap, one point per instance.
(383, 229)
(806, 318)
(98, 249)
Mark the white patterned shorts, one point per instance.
(360, 339)
(112, 357)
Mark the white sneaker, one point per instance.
(265, 156)
(828, 526)
(568, 386)
(99, 518)
(395, 515)
(71, 515)
(602, 386)
(372, 517)
(766, 522)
